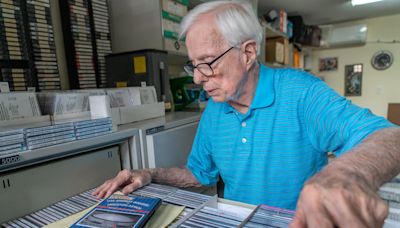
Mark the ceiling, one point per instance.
(319, 12)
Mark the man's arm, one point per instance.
(127, 181)
(344, 193)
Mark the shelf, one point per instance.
(271, 32)
(30, 157)
(276, 65)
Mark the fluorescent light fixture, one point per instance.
(362, 2)
(363, 29)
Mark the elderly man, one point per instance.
(267, 132)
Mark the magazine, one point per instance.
(120, 211)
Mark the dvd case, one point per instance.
(120, 211)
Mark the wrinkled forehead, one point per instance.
(204, 34)
(204, 30)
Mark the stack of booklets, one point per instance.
(38, 137)
(120, 211)
(173, 195)
(266, 216)
(59, 103)
(18, 105)
(211, 217)
(93, 127)
(11, 141)
(124, 97)
(391, 193)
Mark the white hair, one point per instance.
(236, 21)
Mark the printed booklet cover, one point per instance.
(120, 211)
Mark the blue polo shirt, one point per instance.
(266, 155)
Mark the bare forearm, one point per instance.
(180, 177)
(375, 160)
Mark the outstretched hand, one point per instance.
(339, 200)
(127, 181)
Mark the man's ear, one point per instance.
(250, 52)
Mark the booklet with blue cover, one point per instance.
(120, 211)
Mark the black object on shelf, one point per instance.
(85, 26)
(134, 67)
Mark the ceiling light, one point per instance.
(363, 29)
(362, 2)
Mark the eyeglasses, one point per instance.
(204, 68)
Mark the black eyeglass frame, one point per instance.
(189, 68)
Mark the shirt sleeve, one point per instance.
(200, 161)
(333, 123)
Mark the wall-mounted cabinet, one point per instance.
(144, 24)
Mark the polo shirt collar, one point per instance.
(265, 92)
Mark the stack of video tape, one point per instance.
(173, 195)
(38, 137)
(82, 39)
(16, 78)
(42, 36)
(11, 141)
(266, 216)
(212, 217)
(91, 128)
(176, 196)
(102, 33)
(12, 36)
(391, 193)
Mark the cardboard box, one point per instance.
(174, 7)
(277, 50)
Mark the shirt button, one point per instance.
(244, 124)
(244, 140)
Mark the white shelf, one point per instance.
(30, 157)
(271, 32)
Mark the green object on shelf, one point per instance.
(184, 91)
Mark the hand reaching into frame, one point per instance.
(127, 181)
(337, 199)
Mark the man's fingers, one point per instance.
(131, 187)
(110, 186)
(381, 212)
(340, 209)
(319, 219)
(310, 210)
(299, 220)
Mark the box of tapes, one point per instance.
(124, 97)
(134, 104)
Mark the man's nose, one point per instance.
(198, 77)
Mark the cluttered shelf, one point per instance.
(282, 45)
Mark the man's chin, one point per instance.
(218, 98)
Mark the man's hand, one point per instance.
(339, 199)
(126, 180)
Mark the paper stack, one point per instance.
(92, 128)
(18, 105)
(11, 141)
(38, 137)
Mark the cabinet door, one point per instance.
(171, 147)
(27, 190)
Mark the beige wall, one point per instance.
(378, 87)
(59, 41)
